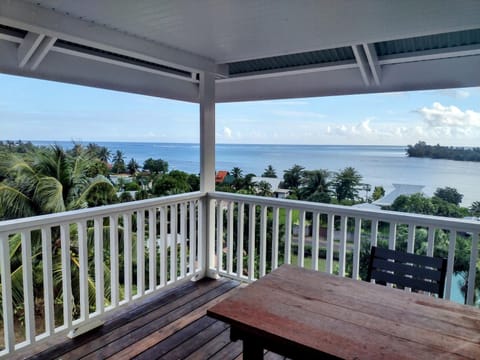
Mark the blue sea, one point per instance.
(379, 165)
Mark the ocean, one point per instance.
(379, 165)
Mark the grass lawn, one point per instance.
(307, 262)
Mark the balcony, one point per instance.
(129, 267)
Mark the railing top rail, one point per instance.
(58, 218)
(382, 215)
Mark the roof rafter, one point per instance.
(28, 47)
(51, 23)
(362, 62)
(373, 62)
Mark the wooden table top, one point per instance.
(352, 319)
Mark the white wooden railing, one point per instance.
(69, 269)
(248, 228)
(93, 261)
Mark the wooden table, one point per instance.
(305, 314)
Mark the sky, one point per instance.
(32, 109)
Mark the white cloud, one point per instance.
(299, 114)
(449, 116)
(227, 132)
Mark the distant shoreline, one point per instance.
(423, 150)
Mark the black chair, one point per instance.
(418, 272)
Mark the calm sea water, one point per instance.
(379, 165)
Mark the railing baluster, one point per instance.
(183, 239)
(47, 280)
(201, 241)
(411, 238)
(192, 240)
(251, 242)
(99, 261)
(163, 246)
(374, 232)
(431, 241)
(219, 251)
(66, 275)
(140, 252)
(240, 237)
(451, 260)
(301, 239)
(29, 306)
(275, 229)
(357, 236)
(127, 248)
(288, 236)
(315, 239)
(230, 238)
(152, 248)
(174, 242)
(472, 269)
(392, 236)
(263, 240)
(330, 238)
(83, 269)
(7, 303)
(114, 264)
(343, 245)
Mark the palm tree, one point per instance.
(118, 162)
(270, 172)
(264, 189)
(292, 178)
(475, 208)
(132, 166)
(314, 181)
(346, 184)
(46, 181)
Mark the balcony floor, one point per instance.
(170, 325)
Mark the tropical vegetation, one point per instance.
(422, 149)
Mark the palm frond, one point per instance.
(49, 195)
(14, 203)
(81, 201)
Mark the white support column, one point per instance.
(207, 132)
(207, 167)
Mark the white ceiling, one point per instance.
(206, 35)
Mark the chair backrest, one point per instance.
(417, 272)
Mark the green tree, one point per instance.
(270, 172)
(175, 182)
(264, 188)
(292, 178)
(416, 203)
(46, 181)
(155, 166)
(314, 181)
(118, 162)
(449, 194)
(132, 166)
(101, 152)
(475, 208)
(238, 182)
(378, 193)
(346, 184)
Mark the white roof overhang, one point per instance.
(257, 49)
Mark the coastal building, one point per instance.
(398, 189)
(220, 176)
(114, 265)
